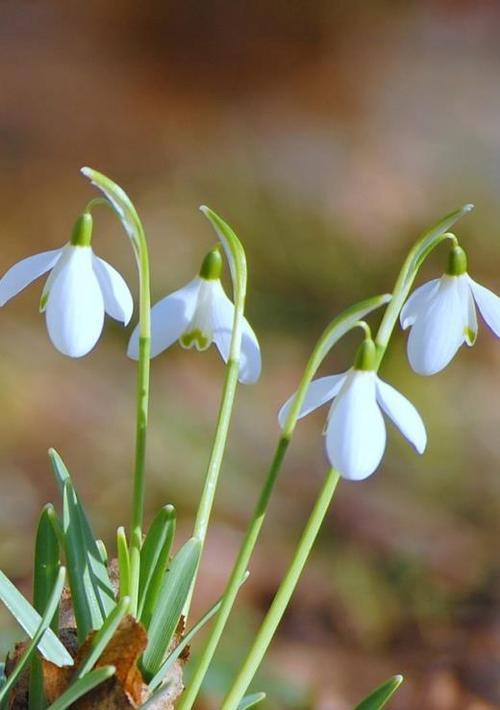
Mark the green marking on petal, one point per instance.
(195, 338)
(470, 336)
(43, 301)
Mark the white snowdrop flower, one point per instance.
(441, 316)
(355, 433)
(79, 290)
(198, 315)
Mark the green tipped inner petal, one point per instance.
(195, 339)
(470, 335)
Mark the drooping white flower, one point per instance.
(198, 315)
(441, 316)
(355, 431)
(80, 288)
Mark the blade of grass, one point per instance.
(155, 554)
(123, 562)
(104, 636)
(173, 594)
(186, 640)
(46, 568)
(250, 701)
(381, 695)
(43, 626)
(82, 686)
(91, 591)
(49, 645)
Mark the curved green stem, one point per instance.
(337, 329)
(284, 593)
(127, 214)
(417, 255)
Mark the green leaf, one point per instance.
(166, 615)
(82, 686)
(43, 626)
(154, 560)
(49, 645)
(341, 325)
(430, 239)
(249, 701)
(120, 201)
(234, 252)
(104, 636)
(186, 640)
(91, 590)
(123, 562)
(47, 562)
(378, 699)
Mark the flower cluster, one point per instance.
(441, 316)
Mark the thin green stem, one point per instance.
(214, 463)
(237, 574)
(143, 370)
(338, 328)
(284, 593)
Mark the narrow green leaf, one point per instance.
(91, 590)
(431, 238)
(82, 686)
(49, 646)
(103, 553)
(104, 636)
(338, 327)
(47, 562)
(186, 640)
(249, 701)
(173, 594)
(234, 252)
(120, 201)
(378, 699)
(43, 626)
(154, 560)
(123, 562)
(46, 568)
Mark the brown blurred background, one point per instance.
(329, 134)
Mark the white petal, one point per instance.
(403, 414)
(355, 435)
(118, 301)
(169, 318)
(470, 324)
(75, 307)
(26, 271)
(438, 333)
(416, 304)
(489, 305)
(319, 391)
(222, 324)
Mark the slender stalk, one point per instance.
(143, 368)
(284, 593)
(238, 572)
(214, 463)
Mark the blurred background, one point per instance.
(329, 134)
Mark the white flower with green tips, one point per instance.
(80, 289)
(355, 433)
(198, 315)
(441, 316)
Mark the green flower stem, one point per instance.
(339, 327)
(417, 255)
(284, 593)
(214, 463)
(239, 569)
(143, 369)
